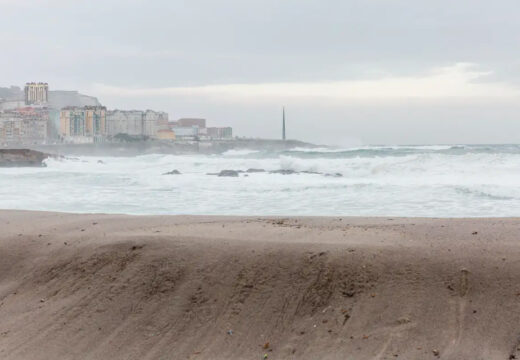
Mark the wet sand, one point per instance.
(123, 287)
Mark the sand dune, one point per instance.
(121, 287)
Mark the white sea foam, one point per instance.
(239, 152)
(461, 181)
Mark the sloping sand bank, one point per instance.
(122, 287)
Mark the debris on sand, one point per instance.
(403, 320)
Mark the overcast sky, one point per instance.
(349, 72)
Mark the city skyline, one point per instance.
(39, 116)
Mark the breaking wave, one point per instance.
(437, 181)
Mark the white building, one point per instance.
(136, 122)
(188, 132)
(125, 122)
(154, 121)
(220, 132)
(18, 129)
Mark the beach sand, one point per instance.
(124, 287)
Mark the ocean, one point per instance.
(390, 181)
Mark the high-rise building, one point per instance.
(36, 93)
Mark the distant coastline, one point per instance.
(166, 147)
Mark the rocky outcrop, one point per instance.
(311, 172)
(235, 173)
(284, 172)
(228, 173)
(21, 158)
(173, 172)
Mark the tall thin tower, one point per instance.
(283, 123)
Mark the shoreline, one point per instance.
(215, 217)
(228, 287)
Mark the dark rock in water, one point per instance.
(22, 157)
(311, 172)
(229, 173)
(284, 172)
(173, 172)
(255, 170)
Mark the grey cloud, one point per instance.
(268, 40)
(162, 43)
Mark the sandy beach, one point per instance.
(123, 287)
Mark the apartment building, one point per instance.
(80, 124)
(24, 128)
